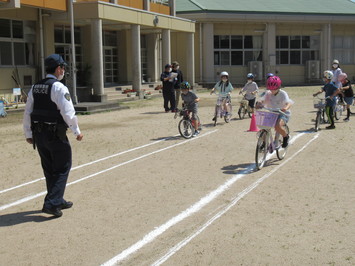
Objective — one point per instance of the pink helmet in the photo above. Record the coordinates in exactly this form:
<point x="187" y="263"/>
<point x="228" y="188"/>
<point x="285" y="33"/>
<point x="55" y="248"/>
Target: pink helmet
<point x="273" y="83"/>
<point x="342" y="77"/>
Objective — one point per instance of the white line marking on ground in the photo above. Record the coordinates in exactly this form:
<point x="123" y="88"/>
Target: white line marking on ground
<point x="234" y="201"/>
<point x="106" y="170"/>
<point x="183" y="215"/>
<point x="90" y="163"/>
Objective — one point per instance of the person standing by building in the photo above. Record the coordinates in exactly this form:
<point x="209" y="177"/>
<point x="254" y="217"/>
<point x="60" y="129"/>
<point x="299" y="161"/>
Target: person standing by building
<point x="168" y="79"/>
<point x="48" y="113"/>
<point x="178" y="81"/>
<point x="336" y="72"/>
<point x="348" y="93"/>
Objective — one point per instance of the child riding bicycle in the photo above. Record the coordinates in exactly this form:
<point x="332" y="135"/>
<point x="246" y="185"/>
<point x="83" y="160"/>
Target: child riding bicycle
<point x="276" y="98"/>
<point x="251" y="89"/>
<point x="190" y="101"/>
<point x="331" y="91"/>
<point x="223" y="88"/>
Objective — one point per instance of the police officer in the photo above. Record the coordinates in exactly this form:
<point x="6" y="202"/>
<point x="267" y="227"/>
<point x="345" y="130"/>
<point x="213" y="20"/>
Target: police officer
<point x="48" y="113"/>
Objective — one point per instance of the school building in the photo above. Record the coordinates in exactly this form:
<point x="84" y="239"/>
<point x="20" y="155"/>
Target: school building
<point x="298" y="40"/>
<point x="116" y="42"/>
<point x="128" y="42"/>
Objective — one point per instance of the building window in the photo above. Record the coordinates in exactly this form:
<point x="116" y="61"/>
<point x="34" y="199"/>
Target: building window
<point x="17" y="42"/>
<point x="296" y="50"/>
<point x="237" y="50"/>
<point x="110" y="50"/>
<point x="62" y="46"/>
<point x="344" y="49"/>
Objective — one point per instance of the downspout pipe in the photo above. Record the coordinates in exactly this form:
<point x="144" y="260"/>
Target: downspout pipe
<point x="73" y="55"/>
<point x="41" y="43"/>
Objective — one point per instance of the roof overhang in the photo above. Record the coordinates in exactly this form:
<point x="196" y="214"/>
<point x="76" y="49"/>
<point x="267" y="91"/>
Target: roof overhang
<point x="121" y="16"/>
<point x="222" y="17"/>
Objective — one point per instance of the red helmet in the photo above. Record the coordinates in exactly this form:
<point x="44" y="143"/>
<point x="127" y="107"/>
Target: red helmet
<point x="273" y="83"/>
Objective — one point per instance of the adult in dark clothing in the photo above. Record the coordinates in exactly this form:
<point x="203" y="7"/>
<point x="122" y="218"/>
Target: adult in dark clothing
<point x="178" y="81"/>
<point x="48" y="113"/>
<point x="348" y="93"/>
<point x="168" y="88"/>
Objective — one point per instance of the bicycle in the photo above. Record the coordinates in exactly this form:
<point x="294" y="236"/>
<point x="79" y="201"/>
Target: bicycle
<point x="266" y="120"/>
<point x="2" y="109"/>
<point x="220" y="111"/>
<point x="244" y="108"/>
<point x="186" y="124"/>
<point x="321" y="117"/>
<point x="338" y="109"/>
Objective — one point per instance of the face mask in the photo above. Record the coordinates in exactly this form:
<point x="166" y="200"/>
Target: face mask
<point x="60" y="77"/>
<point x="224" y="80"/>
<point x="177" y="67"/>
<point x="170" y="69"/>
<point x="335" y="65"/>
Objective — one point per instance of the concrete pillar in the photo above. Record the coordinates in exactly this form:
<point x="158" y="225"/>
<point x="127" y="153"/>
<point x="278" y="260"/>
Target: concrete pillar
<point x="270" y="49"/>
<point x="166" y="49"/>
<point x="172" y="6"/>
<point x="190" y="56"/>
<point x="326" y="48"/>
<point x="136" y="59"/>
<point x="153" y="69"/>
<point x="208" y="56"/>
<point x="97" y="73"/>
<point x="146" y="5"/>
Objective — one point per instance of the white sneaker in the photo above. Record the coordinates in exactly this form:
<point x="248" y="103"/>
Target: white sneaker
<point x="196" y="133"/>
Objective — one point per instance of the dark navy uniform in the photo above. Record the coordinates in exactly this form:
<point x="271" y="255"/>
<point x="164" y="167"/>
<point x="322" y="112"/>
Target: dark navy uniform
<point x="49" y="112"/>
<point x="168" y="90"/>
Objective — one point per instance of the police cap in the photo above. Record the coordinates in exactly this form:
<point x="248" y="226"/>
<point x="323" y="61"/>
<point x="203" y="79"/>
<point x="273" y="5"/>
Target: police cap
<point x="54" y="60"/>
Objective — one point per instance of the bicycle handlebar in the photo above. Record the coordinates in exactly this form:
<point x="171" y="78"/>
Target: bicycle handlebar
<point x="274" y="110"/>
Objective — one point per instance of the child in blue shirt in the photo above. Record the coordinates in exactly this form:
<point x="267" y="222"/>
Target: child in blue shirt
<point x="331" y="90"/>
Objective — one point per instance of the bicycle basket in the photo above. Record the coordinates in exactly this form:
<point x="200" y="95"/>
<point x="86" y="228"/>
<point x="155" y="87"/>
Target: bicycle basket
<point x="266" y="119"/>
<point x="318" y="103"/>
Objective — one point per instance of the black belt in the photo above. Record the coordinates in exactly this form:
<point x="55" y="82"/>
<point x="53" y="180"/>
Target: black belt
<point x="38" y="126"/>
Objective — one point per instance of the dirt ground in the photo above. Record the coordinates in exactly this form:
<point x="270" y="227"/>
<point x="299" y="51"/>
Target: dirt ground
<point x="155" y="198"/>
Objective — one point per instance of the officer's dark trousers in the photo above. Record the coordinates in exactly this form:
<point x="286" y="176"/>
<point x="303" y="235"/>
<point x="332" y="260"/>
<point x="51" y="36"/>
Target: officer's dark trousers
<point x="56" y="160"/>
<point x="169" y="96"/>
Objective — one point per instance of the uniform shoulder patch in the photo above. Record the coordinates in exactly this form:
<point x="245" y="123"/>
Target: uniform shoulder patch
<point x="67" y="96"/>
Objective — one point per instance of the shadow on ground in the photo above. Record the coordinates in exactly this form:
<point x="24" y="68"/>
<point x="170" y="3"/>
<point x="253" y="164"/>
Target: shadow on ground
<point x="23" y="217"/>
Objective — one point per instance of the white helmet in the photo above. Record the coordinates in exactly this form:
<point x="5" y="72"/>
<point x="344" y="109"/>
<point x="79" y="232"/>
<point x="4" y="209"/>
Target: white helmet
<point x="335" y="61"/>
<point x="224" y="73"/>
<point x="328" y="74"/>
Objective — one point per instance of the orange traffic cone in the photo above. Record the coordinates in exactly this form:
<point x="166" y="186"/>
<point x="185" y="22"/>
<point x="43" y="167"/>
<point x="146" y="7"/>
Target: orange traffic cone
<point x="253" y="127"/>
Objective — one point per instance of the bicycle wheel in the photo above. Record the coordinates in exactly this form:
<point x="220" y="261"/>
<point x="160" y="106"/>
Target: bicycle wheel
<point x="198" y="123"/>
<point x="227" y="118"/>
<point x="318" y="120"/>
<point x="241" y="112"/>
<point x="186" y="129"/>
<point x="337" y="112"/>
<point x="215" y="116"/>
<point x="281" y="152"/>
<point x="261" y="149"/>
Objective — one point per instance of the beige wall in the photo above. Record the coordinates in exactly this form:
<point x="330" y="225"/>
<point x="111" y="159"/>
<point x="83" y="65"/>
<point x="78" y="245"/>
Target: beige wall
<point x="291" y="74"/>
